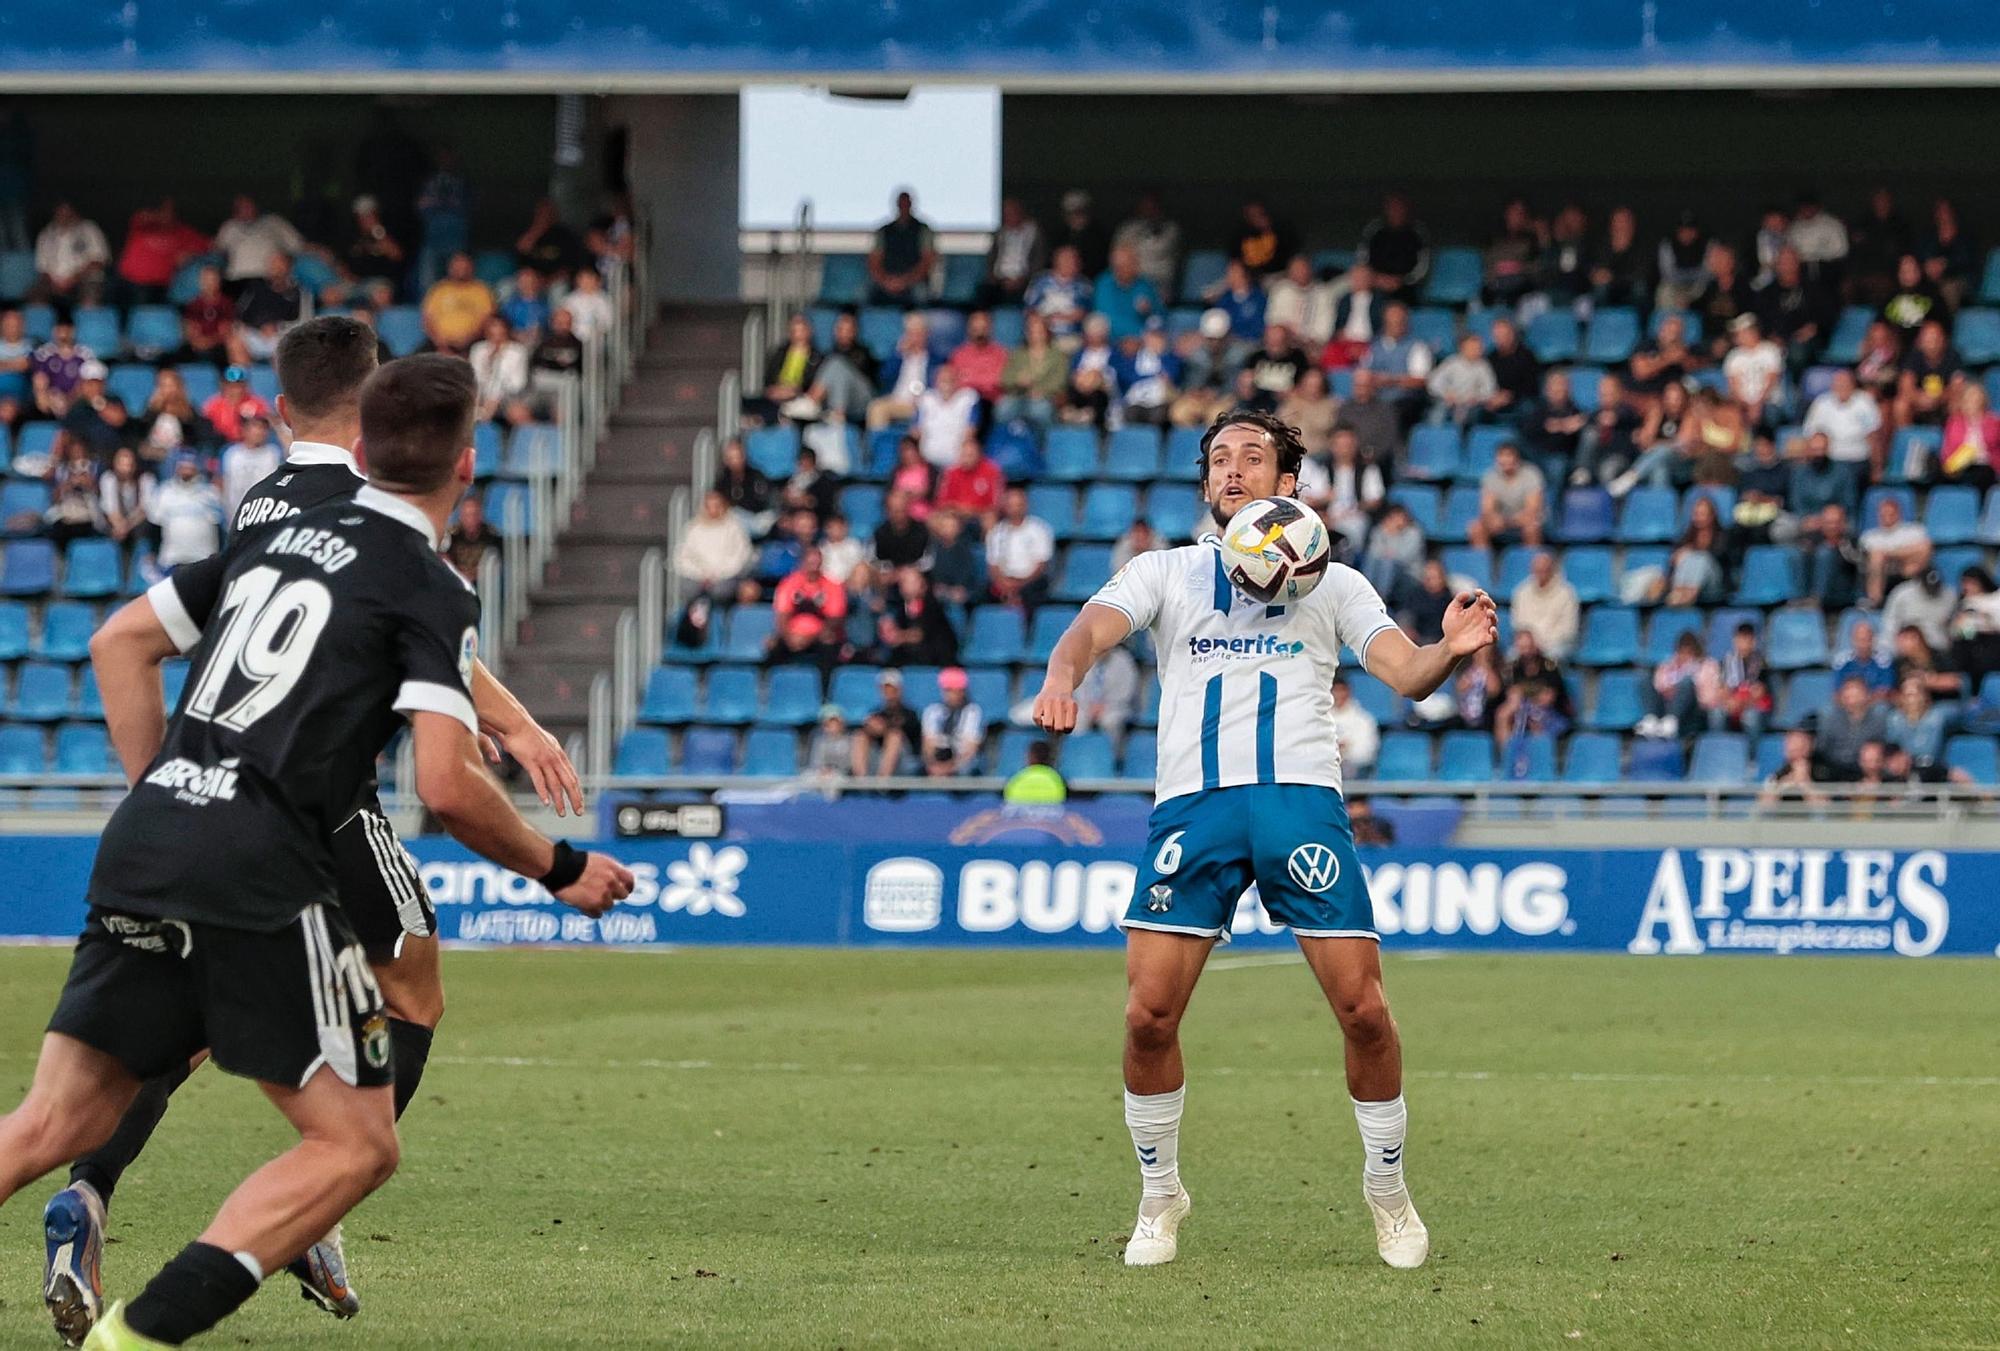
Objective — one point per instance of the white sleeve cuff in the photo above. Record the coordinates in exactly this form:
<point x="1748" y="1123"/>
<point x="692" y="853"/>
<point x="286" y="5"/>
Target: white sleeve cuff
<point x="423" y="696"/>
<point x="1131" y="620"/>
<point x="173" y="615"/>
<point x="1378" y="630"/>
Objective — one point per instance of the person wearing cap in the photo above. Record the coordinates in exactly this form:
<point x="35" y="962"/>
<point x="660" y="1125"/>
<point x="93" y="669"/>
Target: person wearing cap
<point x="188" y="511"/>
<point x="1080" y="231"/>
<point x="1062" y="296"/>
<point x="1037" y="783"/>
<point x="830" y="753"/>
<point x="233" y="402"/>
<point x="902" y="257"/>
<point x="885" y="734"/>
<point x="369" y="250"/>
<point x="954" y="728"/>
<point x="1210" y="358"/>
<point x="56" y="368"/>
<point x="1149" y="379"/>
<point x="1125" y="297"/>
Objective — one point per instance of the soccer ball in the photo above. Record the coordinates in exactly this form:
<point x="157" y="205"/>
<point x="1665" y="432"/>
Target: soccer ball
<point x="1276" y="550"/>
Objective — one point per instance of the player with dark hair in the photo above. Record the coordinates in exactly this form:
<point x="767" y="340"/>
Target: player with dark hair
<point x="1239" y="805"/>
<point x="322" y="367"/>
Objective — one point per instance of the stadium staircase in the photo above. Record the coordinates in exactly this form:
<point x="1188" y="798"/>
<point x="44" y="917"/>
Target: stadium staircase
<point x="568" y="636"/>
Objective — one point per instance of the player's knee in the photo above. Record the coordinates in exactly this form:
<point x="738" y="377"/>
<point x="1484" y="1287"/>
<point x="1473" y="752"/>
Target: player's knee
<point x="1364" y="1018"/>
<point x="1151" y="1024"/>
<point x="375" y="1155"/>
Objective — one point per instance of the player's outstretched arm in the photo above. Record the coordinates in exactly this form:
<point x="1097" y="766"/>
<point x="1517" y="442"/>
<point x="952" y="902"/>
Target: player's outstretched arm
<point x="504" y="718"/>
<point x="1094" y="632"/>
<point x="1416" y="672"/>
<point x="126" y="655"/>
<point x="469" y="801"/>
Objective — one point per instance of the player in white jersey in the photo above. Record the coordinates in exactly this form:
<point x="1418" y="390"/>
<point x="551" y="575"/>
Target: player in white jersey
<point x="1249" y="792"/>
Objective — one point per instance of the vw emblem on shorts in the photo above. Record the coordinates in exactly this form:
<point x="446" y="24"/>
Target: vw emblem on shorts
<point x="1314" y="867"/>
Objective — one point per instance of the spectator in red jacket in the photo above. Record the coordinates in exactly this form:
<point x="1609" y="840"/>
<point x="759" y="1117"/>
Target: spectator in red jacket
<point x="812" y="611"/>
<point x="979" y="360"/>
<point x="157" y="242"/>
<point x="972" y="486"/>
<point x="229" y="406"/>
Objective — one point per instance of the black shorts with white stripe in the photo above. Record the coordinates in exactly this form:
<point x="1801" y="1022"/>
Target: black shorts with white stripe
<point x="380" y="889"/>
<point x="275" y="1007"/>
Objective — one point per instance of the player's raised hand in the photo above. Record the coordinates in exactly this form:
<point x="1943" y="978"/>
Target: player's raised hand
<point x="604" y="883"/>
<point x="1471" y="623"/>
<point x="555" y="779"/>
<point x="1055" y="709"/>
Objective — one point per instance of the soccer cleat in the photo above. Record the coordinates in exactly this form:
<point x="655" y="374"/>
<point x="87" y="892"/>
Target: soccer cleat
<point x="1156" y="1241"/>
<point x="322" y="1274"/>
<point x="72" y="1284"/>
<point x="112" y="1334"/>
<point x="1400" y="1235"/>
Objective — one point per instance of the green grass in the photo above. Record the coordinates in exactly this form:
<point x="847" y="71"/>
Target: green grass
<point x="779" y="1148"/>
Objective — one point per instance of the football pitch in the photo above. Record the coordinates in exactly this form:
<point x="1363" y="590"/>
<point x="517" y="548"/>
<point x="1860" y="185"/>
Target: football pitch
<point x="813" y="1149"/>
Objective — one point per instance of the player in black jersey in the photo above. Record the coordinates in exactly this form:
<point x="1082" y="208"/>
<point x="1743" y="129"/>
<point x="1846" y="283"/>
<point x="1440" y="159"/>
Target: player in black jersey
<point x="214" y="919"/>
<point x="321" y="367"/>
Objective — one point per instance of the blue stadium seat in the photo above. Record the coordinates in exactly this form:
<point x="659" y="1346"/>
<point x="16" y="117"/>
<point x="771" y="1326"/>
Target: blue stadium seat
<point x="201" y="379"/>
<point x="883" y="445"/>
<point x="509" y="507"/>
<point x="1382" y="703"/>
<point x="963" y="272"/>
<point x="1610" y="637"/>
<point x="1656" y="760"/>
<point x="14" y="639"/>
<point x="1849" y="332"/>
<point x="708" y="750"/>
<point x="1047" y="630"/>
<point x="1203" y="269"/>
<point x="84" y="748"/>
<point x="1613" y="336"/>
<point x="1405" y="757"/>
<point x="29" y="568"/>
<point x="1514" y="565"/>
<point x="749" y="627"/>
<point x="1421" y="500"/>
<point x="996" y="637"/>
<point x="1009" y="326"/>
<point x="988" y="686"/>
<point x="861" y="504"/>
<point x="947" y="331"/>
<point x="1617" y="706"/>
<point x="772" y="752"/>
<point x="843" y="279"/>
<point x="1770" y="755"/>
<point x="1054" y="503"/>
<point x="1181" y="460"/>
<point x="1951" y="514"/>
<point x="1590" y="574"/>
<point x="97" y="328"/>
<point x="1530" y="759"/>
<point x="1174" y="510"/>
<point x="1085" y="568"/>
<point x="1140" y="756"/>
<point x="1069" y="455"/>
<point x="66" y="630"/>
<point x="881" y="329"/>
<point x="1770" y="576"/>
<point x="402" y="328"/>
<point x="1795" y="640"/>
<point x="1461" y="508"/>
<point x="1435" y="328"/>
<point x="1434" y="452"/>
<point x="791" y="697"/>
<point x="22" y="502"/>
<point x="1455" y="276"/>
<point x="731" y="697"/>
<point x="1553" y="337"/>
<point x="40" y="320"/>
<point x="89" y="701"/>
<point x="1016" y="449"/>
<point x="1978" y="756"/>
<point x="670" y="696"/>
<point x="1592" y="757"/>
<point x="643" y="750"/>
<point x="822" y="319"/>
<point x="1481" y="444"/>
<point x="1720" y="758"/>
<point x="1467" y="757"/>
<point x="1665" y="628"/>
<point x="23" y="750"/>
<point x="1721" y="626"/>
<point x="535" y="451"/>
<point x="41" y="693"/>
<point x="1108" y="511"/>
<point x="773" y="451"/>
<point x="1133" y="454"/>
<point x="1723" y="497"/>
<point x="131" y="386"/>
<point x="1874" y="497"/>
<point x="1476" y="565"/>
<point x="1586" y="516"/>
<point x="153" y="331"/>
<point x="487" y="450"/>
<point x="17" y="273"/>
<point x="853" y="691"/>
<point x="1807" y="694"/>
<point x="1087" y="755"/>
<point x="1951" y="563"/>
<point x="1976" y="335"/>
<point x="1012" y="755"/>
<point x="1651" y="516"/>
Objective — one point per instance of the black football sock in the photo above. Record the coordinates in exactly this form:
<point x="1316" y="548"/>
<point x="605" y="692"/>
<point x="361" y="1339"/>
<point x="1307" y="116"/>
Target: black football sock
<point x="192" y="1293"/>
<point x="103" y="1166"/>
<point x="411" y="1045"/>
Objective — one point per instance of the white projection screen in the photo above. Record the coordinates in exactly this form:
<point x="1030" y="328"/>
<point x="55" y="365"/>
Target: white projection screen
<point x="848" y="156"/>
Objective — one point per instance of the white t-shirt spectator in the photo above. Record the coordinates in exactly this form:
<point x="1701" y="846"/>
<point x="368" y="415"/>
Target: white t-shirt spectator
<point x="964" y="728"/>
<point x="1305" y="310"/>
<point x="1847" y="425"/>
<point x="1894" y="539"/>
<point x="590" y="314"/>
<point x="500" y="368"/>
<point x="1552" y="613"/>
<point x="714" y="551"/>
<point x="1818" y="239"/>
<point x="190" y="519"/>
<point x="1358" y="734"/>
<point x="1017" y="550"/>
<point x="249" y="245"/>
<point x="942" y="424"/>
<point x="243" y="468"/>
<point x="63" y="251"/>
<point x="839" y="557"/>
<point x="1753" y="372"/>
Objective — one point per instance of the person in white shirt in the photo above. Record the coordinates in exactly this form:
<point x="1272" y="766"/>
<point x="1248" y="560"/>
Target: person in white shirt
<point x="1018" y="550"/>
<point x="1462" y="383"/>
<point x="1355" y="729"/>
<point x="715" y="550"/>
<point x="1894" y="547"/>
<point x="590" y="311"/>
<point x="944" y="415"/>
<point x="254" y="458"/>
<point x="908" y="374"/>
<point x="250" y="239"/>
<point x="499" y="364"/>
<point x="840" y="553"/>
<point x="1016" y="255"/>
<point x="1302" y="303"/>
<point x="1818" y="236"/>
<point x="188" y="511"/>
<point x="71" y="254"/>
<point x="1249" y="792"/>
<point x="1546" y="605"/>
<point x="1753" y="367"/>
<point x="1849" y="416"/>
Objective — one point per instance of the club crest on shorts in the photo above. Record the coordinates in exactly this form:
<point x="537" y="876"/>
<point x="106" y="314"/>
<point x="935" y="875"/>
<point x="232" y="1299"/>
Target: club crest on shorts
<point x="375" y="1042"/>
<point x="1159" y="898"/>
<point x="1314" y="867"/>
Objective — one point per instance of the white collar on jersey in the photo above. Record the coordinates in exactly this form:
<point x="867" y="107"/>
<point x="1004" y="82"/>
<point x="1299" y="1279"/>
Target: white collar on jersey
<point x="320" y="452"/>
<point x="396" y="509"/>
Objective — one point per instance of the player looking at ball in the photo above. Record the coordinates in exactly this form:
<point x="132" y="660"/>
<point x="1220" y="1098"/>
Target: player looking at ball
<point x="1238" y="802"/>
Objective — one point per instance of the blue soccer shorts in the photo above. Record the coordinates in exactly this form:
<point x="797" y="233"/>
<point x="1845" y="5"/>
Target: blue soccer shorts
<point x="1204" y="849"/>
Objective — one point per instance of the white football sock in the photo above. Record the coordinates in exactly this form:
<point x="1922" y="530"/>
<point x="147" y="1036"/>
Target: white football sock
<point x="1155" y="1123"/>
<point x="1383" y="1126"/>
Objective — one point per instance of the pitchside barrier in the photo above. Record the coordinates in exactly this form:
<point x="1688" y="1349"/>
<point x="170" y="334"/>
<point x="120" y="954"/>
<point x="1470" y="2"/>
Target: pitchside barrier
<point x="1063" y="881"/>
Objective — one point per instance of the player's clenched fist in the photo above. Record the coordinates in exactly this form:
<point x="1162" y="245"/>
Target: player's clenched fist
<point x="1471" y="623"/>
<point x="604" y="883"/>
<point x="1055" y="710"/>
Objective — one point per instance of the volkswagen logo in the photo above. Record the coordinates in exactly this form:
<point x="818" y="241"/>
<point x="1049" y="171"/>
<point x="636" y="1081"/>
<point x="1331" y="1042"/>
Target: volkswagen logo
<point x="1314" y="867"/>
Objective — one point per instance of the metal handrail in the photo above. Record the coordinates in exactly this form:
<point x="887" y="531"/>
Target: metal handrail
<point x="707" y="455"/>
<point x="729" y="405"/>
<point x="750" y="359"/>
<point x="492" y="611"/>
<point x="653" y="599"/>
<point x="597" y="748"/>
<point x="624" y="671"/>
<point x="680" y="510"/>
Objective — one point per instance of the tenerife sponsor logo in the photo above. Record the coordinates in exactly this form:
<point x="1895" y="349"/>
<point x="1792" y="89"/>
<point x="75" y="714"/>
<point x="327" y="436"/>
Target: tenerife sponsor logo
<point x="1247" y="647"/>
<point x="1794" y="900"/>
<point x="197" y="785"/>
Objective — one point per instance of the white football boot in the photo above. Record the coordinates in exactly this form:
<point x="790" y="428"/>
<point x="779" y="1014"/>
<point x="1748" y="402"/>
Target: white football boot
<point x="1400" y="1235"/>
<point x="1156" y="1240"/>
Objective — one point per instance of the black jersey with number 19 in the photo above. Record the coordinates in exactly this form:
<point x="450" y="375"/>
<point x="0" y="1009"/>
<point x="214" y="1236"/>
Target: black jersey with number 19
<point x="307" y="641"/>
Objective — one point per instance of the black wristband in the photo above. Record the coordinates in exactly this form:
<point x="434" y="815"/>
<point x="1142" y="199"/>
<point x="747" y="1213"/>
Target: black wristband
<point x="566" y="869"/>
